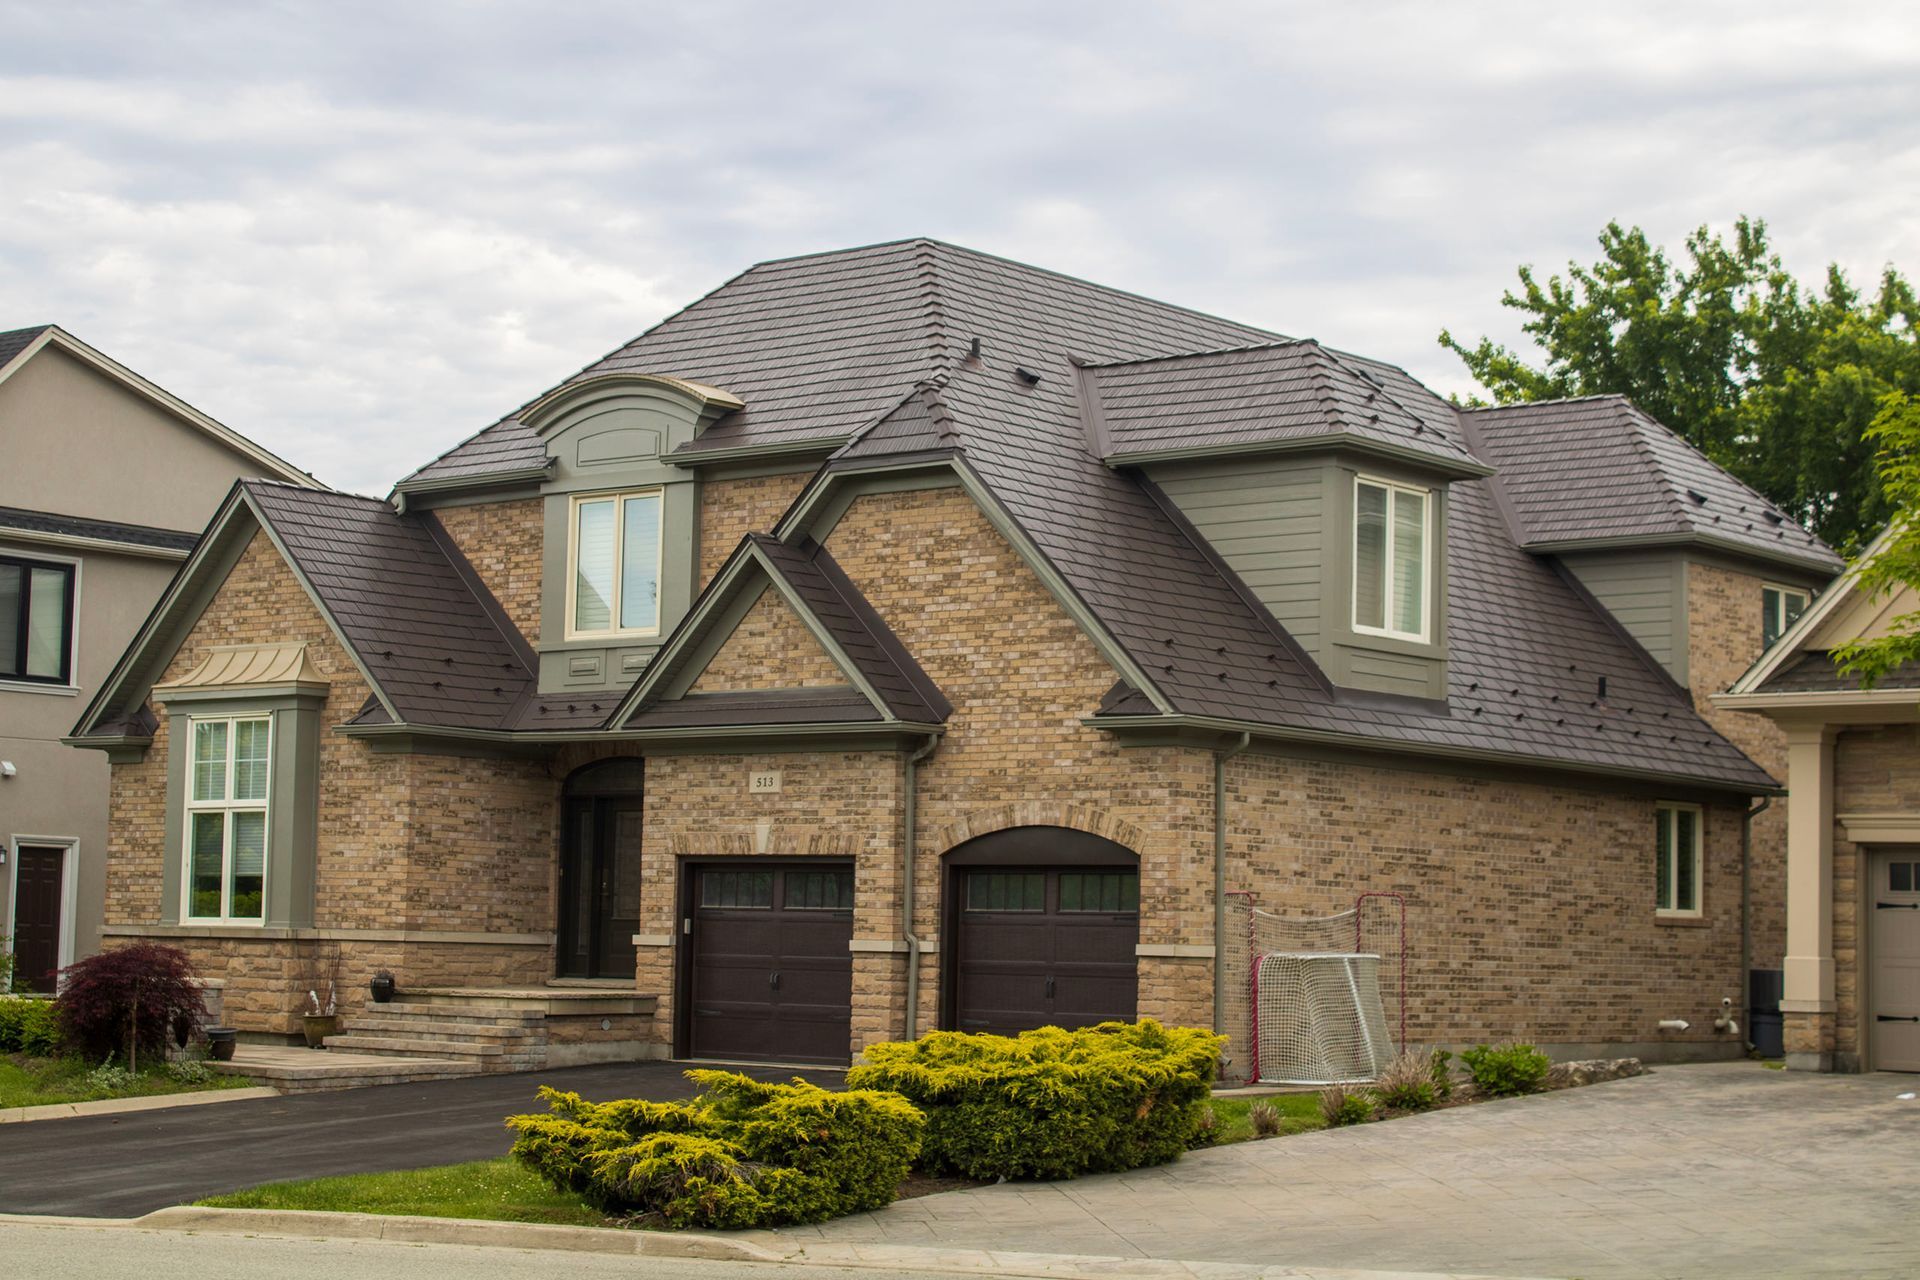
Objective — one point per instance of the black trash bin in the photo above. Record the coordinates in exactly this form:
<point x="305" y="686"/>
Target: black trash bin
<point x="1764" y="987"/>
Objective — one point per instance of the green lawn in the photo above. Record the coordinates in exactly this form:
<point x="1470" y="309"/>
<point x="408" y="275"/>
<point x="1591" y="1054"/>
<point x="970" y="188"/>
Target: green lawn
<point x="33" y="1082"/>
<point x="1299" y="1112"/>
<point x="497" y="1189"/>
<point x="503" y="1191"/>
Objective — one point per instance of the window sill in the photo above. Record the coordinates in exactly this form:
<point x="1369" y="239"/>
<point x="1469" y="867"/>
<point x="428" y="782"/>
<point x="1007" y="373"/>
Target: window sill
<point x="1681" y="921"/>
<point x="34" y="686"/>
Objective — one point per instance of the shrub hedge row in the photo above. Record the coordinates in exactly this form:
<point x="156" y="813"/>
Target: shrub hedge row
<point x="741" y="1154"/>
<point x="1051" y="1103"/>
<point x="28" y="1026"/>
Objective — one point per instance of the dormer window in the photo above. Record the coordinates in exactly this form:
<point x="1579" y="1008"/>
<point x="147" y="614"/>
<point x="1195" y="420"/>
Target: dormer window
<point x="1392" y="559"/>
<point x="613" y="565"/>
<point x="1780" y="608"/>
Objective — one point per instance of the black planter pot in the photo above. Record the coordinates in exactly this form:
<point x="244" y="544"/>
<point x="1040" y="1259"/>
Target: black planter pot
<point x="220" y="1043"/>
<point x="381" y="987"/>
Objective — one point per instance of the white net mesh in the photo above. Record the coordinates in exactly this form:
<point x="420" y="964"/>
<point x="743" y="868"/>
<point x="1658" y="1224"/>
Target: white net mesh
<point x="1374" y="926"/>
<point x="1320" y="1018"/>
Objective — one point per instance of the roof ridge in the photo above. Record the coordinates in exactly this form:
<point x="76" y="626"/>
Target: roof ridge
<point x="935" y="307"/>
<point x="1536" y="404"/>
<point x="1204" y="351"/>
<point x="1376" y="388"/>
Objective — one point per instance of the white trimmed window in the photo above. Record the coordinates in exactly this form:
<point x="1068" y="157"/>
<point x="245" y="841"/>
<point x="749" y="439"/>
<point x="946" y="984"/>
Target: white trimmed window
<point x="226" y="836"/>
<point x="1676" y="859"/>
<point x="613" y="565"/>
<point x="1780" y="607"/>
<point x="1392" y="559"/>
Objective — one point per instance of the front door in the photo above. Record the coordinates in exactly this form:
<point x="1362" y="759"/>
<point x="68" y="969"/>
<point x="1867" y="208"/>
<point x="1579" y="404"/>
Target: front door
<point x="600" y="886"/>
<point x="38" y="889"/>
<point x="1894" y="984"/>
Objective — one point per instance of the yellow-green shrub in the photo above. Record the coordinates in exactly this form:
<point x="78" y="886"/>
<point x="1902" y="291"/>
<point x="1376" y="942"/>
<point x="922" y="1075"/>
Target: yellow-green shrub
<point x="28" y="1026"/>
<point x="741" y="1154"/>
<point x="1051" y="1103"/>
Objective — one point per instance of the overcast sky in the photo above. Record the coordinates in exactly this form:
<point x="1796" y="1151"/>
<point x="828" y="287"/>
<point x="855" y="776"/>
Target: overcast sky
<point x="360" y="232"/>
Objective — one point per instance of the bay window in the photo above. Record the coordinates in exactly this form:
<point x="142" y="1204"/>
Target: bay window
<point x="226" y="813"/>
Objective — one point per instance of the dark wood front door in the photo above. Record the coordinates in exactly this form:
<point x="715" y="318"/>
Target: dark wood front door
<point x="38" y="889"/>
<point x="1045" y="947"/>
<point x="599" y="886"/>
<point x="769" y="971"/>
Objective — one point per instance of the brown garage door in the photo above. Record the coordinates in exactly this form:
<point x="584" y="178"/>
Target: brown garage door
<point x="770" y="971"/>
<point x="1045" y="947"/>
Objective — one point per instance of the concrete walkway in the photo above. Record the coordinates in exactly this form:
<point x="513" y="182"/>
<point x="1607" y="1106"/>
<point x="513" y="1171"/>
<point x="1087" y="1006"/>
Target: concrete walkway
<point x="1722" y="1170"/>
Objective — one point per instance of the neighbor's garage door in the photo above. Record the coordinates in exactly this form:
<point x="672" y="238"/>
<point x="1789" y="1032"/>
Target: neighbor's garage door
<point x="771" y="971"/>
<point x="1895" y="979"/>
<point x="1046" y="947"/>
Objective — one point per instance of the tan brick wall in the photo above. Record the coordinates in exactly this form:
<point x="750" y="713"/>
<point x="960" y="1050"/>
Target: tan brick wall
<point x="1530" y="906"/>
<point x="503" y="542"/>
<point x="1876" y="769"/>
<point x="731" y="509"/>
<point x="1723" y="640"/>
<point x="403" y="842"/>
<point x="770" y="649"/>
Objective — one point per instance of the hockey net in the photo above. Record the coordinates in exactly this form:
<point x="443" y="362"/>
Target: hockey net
<point x="1316" y="1000"/>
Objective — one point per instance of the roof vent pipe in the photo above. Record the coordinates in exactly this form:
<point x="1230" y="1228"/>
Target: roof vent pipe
<point x="1027" y="376"/>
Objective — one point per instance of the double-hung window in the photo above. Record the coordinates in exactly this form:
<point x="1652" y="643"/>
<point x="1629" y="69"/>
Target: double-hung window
<point x="1392" y="559"/>
<point x="613" y="565"/>
<point x="226" y="836"/>
<point x="36" y="621"/>
<point x="1780" y="607"/>
<point x="1676" y="860"/>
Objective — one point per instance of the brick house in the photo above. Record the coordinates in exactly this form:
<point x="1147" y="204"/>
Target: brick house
<point x="904" y="637"/>
<point x="1851" y="998"/>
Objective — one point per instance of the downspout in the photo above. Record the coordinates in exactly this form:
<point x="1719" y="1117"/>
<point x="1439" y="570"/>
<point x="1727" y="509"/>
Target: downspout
<point x="1746" y="914"/>
<point x="906" y="886"/>
<point x="1220" y="759"/>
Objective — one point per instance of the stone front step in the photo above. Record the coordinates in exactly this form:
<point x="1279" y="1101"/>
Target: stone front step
<point x="297" y="1070"/>
<point x="416" y="1046"/>
<point x="440" y="1028"/>
<point x="509" y="1028"/>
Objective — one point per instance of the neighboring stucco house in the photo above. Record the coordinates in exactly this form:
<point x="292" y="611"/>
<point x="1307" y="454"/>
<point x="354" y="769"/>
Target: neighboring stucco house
<point x="904" y="637"/>
<point x="105" y="481"/>
<point x="1852" y="982"/>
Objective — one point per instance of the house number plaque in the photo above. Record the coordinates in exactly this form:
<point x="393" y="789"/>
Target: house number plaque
<point x="763" y="782"/>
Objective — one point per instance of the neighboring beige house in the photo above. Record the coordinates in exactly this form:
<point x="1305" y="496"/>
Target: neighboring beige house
<point x="105" y="481"/>
<point x="1852" y="982"/>
<point x="905" y="637"/>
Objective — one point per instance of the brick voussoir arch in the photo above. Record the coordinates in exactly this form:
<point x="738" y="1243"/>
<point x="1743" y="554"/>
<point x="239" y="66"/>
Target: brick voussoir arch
<point x="1036" y="813"/>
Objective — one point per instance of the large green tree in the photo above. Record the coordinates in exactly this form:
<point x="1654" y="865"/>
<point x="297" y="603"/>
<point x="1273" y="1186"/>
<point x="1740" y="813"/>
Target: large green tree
<point x="1775" y="380"/>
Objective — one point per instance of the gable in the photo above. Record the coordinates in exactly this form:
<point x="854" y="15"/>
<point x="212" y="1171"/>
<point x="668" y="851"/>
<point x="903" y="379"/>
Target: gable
<point x="769" y="648"/>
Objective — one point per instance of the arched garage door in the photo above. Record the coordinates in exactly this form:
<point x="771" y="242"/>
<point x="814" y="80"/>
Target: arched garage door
<point x="1044" y="922"/>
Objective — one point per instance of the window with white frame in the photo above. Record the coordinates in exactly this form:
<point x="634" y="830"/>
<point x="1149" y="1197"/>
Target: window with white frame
<point x="36" y="620"/>
<point x="226" y="836"/>
<point x="1780" y="607"/>
<point x="613" y="565"/>
<point x="1392" y="559"/>
<point x="1676" y="859"/>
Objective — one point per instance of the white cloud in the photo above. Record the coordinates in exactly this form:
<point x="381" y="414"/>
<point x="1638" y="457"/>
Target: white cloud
<point x="358" y="232"/>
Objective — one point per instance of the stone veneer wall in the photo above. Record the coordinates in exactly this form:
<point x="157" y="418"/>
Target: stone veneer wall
<point x="407" y="845"/>
<point x="1723" y="640"/>
<point x="502" y="540"/>
<point x="770" y="649"/>
<point x="731" y="509"/>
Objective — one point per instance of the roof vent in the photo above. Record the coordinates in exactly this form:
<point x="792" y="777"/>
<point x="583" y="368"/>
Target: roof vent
<point x="1699" y="498"/>
<point x="1027" y="376"/>
<point x="1774" y="517"/>
<point x="973" y="350"/>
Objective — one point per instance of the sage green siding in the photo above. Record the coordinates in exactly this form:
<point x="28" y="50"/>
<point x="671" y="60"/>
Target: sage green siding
<point x="1285" y="526"/>
<point x="1646" y="592"/>
<point x="1265" y="519"/>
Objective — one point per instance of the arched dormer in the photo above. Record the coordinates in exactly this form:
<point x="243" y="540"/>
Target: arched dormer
<point x="622" y="538"/>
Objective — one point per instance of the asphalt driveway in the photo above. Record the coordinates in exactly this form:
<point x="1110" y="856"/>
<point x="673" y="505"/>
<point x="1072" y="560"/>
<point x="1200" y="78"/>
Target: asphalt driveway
<point x="120" y="1166"/>
<point x="1723" y="1170"/>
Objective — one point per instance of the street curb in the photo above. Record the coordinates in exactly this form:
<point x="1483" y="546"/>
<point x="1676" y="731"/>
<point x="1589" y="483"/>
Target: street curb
<point x="664" y="1244"/>
<point x="122" y="1106"/>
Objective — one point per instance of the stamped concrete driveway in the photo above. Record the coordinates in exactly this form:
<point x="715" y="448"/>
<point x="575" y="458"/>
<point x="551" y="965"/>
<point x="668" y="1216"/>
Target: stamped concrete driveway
<point x="1700" y="1171"/>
